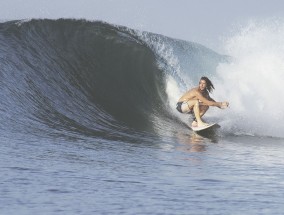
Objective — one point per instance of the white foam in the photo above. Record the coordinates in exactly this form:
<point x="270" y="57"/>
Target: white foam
<point x="173" y="91"/>
<point x="253" y="81"/>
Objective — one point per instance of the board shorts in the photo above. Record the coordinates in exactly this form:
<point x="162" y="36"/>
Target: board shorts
<point x="181" y="104"/>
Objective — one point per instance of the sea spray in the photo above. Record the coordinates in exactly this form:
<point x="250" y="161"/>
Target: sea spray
<point x="253" y="81"/>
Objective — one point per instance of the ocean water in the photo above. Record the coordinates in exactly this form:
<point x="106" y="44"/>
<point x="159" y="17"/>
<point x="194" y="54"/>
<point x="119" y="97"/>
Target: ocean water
<point x="89" y="126"/>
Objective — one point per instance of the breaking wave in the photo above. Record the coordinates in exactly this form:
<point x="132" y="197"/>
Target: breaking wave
<point x="79" y="78"/>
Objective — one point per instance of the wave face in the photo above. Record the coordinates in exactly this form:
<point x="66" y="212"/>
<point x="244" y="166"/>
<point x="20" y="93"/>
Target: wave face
<point x="78" y="78"/>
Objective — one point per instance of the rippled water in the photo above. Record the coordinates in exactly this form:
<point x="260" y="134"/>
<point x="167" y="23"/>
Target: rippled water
<point x="189" y="175"/>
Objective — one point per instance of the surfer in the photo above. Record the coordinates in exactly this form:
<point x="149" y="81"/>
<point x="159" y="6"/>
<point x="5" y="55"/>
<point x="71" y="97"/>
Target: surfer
<point x="197" y="101"/>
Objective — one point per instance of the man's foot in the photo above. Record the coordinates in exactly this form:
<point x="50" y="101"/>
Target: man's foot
<point x="202" y="124"/>
<point x="194" y="124"/>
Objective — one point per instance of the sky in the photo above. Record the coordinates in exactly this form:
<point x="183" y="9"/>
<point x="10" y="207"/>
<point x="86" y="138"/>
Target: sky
<point x="203" y="21"/>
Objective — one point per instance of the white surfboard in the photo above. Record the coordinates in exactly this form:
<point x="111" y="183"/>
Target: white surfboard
<point x="203" y="128"/>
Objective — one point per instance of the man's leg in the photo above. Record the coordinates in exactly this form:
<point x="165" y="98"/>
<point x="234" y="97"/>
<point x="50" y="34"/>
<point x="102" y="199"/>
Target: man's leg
<point x="198" y="115"/>
<point x="195" y="105"/>
<point x="203" y="109"/>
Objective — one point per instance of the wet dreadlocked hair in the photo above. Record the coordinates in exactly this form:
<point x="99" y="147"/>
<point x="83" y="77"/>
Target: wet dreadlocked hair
<point x="209" y="85"/>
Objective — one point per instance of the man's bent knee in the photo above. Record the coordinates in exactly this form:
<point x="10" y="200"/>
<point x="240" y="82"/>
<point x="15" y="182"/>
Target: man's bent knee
<point x="196" y="102"/>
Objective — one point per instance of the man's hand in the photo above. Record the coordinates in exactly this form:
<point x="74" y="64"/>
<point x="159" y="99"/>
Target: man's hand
<point x="224" y="105"/>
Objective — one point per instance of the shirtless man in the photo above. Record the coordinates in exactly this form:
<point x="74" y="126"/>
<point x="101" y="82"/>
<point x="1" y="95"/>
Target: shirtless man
<point x="197" y="101"/>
